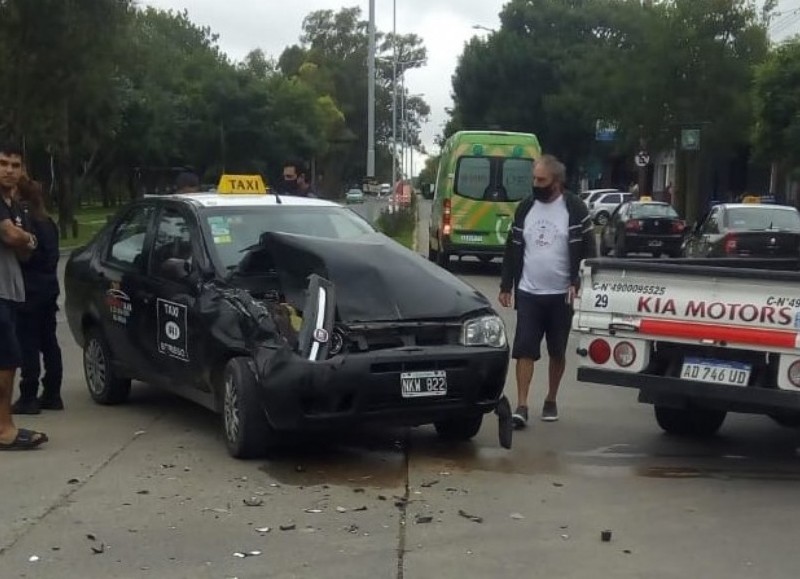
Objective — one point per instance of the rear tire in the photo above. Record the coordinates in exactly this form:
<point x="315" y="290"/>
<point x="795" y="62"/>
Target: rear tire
<point x="105" y="387"/>
<point x="443" y="259"/>
<point x="620" y="250"/>
<point x="485" y="259"/>
<point x="248" y="433"/>
<point x="690" y="422"/>
<point x="459" y="429"/>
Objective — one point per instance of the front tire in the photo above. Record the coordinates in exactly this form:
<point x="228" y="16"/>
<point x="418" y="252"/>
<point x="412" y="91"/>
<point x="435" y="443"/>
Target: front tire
<point x="248" y="433"/>
<point x="459" y="429"/>
<point x="690" y="422"/>
<point x="105" y="387"/>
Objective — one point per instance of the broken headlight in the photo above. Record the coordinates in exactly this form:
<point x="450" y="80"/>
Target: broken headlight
<point x="484" y="331"/>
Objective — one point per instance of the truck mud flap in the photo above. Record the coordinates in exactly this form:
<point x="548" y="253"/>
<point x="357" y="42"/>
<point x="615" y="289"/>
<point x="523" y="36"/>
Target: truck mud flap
<point x="318" y="317"/>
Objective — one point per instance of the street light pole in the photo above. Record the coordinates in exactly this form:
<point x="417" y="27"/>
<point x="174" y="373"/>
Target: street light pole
<point x="371" y="95"/>
<point x="394" y="93"/>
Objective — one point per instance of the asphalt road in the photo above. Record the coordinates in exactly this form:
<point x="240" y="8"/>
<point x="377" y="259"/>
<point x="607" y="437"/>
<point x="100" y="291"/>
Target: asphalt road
<point x="147" y="490"/>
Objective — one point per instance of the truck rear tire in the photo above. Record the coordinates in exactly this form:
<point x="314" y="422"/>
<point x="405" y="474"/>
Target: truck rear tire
<point x="691" y="422"/>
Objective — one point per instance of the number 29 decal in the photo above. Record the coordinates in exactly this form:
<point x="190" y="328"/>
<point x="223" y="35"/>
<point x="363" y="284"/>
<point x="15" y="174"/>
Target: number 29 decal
<point x="601" y="301"/>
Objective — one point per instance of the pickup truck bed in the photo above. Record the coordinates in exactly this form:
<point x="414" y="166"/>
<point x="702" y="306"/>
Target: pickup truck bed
<point x="697" y="337"/>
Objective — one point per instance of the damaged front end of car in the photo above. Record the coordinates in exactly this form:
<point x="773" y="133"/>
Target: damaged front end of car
<point x="340" y="333"/>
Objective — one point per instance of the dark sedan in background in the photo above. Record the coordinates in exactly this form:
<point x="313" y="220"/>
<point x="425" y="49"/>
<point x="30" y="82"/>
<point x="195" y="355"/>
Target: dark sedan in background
<point x="643" y="227"/>
<point x="745" y="230"/>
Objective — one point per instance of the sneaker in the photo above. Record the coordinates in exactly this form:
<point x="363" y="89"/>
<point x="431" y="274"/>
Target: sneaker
<point x="520" y="417"/>
<point x="26" y="407"/>
<point x="550" y="411"/>
<point x="51" y="403"/>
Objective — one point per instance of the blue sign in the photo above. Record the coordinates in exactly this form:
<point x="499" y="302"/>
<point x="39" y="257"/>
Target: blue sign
<point x="605" y="131"/>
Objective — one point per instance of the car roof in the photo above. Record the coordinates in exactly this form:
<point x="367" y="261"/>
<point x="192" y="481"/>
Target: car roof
<point x="756" y="206"/>
<point x="217" y="200"/>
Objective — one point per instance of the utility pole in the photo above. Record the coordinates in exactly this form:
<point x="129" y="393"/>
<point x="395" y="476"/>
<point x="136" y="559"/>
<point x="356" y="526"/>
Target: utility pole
<point x="371" y="95"/>
<point x="394" y="93"/>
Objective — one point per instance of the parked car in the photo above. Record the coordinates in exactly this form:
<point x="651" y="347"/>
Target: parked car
<point x="643" y="227"/>
<point x="354" y="196"/>
<point x="593" y="194"/>
<point x="604" y="205"/>
<point x="745" y="230"/>
<point x="284" y="315"/>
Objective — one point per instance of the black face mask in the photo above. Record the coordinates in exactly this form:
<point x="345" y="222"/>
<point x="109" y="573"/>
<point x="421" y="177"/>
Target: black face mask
<point x="542" y="193"/>
<point x="290" y="185"/>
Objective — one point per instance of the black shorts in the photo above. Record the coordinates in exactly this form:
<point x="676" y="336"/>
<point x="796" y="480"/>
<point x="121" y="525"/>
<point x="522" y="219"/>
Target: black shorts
<point x="10" y="351"/>
<point x="541" y="316"/>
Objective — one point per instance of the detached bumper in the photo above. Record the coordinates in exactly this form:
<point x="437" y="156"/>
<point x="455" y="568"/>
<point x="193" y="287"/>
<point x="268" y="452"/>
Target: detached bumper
<point x="358" y="388"/>
<point x="675" y="392"/>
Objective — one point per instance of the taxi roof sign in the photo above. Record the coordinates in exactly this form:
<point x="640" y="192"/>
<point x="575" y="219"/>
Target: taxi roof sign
<point x="241" y="185"/>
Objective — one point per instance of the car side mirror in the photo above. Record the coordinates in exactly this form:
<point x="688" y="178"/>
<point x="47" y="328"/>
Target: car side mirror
<point x="176" y="269"/>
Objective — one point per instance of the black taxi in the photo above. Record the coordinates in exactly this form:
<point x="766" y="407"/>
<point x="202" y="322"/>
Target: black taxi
<point x="282" y="314"/>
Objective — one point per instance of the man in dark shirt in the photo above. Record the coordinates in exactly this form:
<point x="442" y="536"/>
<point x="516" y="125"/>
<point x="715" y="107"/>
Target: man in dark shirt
<point x="15" y="242"/>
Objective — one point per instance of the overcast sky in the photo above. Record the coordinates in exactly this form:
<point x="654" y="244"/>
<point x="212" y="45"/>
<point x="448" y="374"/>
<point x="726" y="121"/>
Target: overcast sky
<point x="444" y="26"/>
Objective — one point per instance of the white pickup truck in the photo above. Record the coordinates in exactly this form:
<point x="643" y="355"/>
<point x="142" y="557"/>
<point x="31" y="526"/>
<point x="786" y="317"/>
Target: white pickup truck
<point x="697" y="337"/>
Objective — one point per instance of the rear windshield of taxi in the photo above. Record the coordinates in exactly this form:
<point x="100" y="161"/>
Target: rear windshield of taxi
<point x="493" y="178"/>
<point x="654" y="210"/>
<point x="761" y="218"/>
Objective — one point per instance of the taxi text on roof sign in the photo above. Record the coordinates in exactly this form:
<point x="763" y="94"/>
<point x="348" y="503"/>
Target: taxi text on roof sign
<point x="241" y="185"/>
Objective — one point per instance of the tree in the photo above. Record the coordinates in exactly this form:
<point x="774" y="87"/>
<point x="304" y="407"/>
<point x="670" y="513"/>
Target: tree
<point x="776" y="134"/>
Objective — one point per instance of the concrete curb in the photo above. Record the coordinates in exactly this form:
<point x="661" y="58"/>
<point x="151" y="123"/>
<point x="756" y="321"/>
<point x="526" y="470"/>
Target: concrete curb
<point x="415" y="239"/>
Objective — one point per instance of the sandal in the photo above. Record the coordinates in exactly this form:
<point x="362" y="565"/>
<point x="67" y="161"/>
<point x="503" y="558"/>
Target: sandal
<point x="25" y="440"/>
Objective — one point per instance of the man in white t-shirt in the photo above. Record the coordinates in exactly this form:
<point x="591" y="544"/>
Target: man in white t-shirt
<point x="552" y="232"/>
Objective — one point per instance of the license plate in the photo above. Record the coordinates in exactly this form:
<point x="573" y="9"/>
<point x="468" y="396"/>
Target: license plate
<point x="654" y="243"/>
<point x="716" y="371"/>
<point x="422" y="384"/>
<point x="472" y="238"/>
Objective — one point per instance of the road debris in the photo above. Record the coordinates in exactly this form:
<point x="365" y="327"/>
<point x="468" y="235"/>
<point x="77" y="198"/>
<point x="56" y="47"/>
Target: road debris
<point x="242" y="555"/>
<point x="429" y="484"/>
<point x="253" y="502"/>
<point x="565" y="537"/>
<point x="423" y="519"/>
<point x="91" y="536"/>
<point x="143" y="492"/>
<point x="352" y="529"/>
<point x="288" y="527"/>
<point x="473" y="518"/>
<point x="313" y="511"/>
<point x="358" y="490"/>
<point x="360" y="509"/>
<point x="517" y="516"/>
<point x="263" y="530"/>
<point x="605" y="536"/>
<point x="33" y="558"/>
<point x="73" y="481"/>
<point x="341" y="510"/>
<point x="99" y="550"/>
<point x="139" y="433"/>
<point x="558" y="484"/>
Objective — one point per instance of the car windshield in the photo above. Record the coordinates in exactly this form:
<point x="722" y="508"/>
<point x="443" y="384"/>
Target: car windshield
<point x="761" y="218"/>
<point x="653" y="210"/>
<point x="234" y="230"/>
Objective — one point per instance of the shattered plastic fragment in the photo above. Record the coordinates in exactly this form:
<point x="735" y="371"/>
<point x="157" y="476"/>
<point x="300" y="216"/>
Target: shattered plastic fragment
<point x="421" y="520"/>
<point x="139" y="433"/>
<point x="289" y="527"/>
<point x="100" y="549"/>
<point x="73" y="481"/>
<point x="91" y="536"/>
<point x="429" y="484"/>
<point x="253" y="502"/>
<point x="263" y="530"/>
<point x="341" y="510"/>
<point x="314" y="511"/>
<point x="517" y="516"/>
<point x="364" y="508"/>
<point x="473" y="518"/>
<point x="605" y="536"/>
<point x="565" y="537"/>
<point x="558" y="484"/>
<point x="33" y="558"/>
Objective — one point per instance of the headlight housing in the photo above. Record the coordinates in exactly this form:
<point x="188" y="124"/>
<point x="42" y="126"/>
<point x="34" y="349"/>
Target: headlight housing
<point x="484" y="331"/>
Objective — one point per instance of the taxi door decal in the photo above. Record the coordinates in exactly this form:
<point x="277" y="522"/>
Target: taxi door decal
<point x="173" y="340"/>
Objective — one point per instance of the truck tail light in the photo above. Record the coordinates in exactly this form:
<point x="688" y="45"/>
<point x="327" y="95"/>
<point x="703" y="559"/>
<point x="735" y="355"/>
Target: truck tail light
<point x="730" y="243"/>
<point x="599" y="351"/>
<point x="624" y="354"/>
<point x="794" y="374"/>
<point x="447" y="226"/>
<point x="633" y="225"/>
<point x="678" y="226"/>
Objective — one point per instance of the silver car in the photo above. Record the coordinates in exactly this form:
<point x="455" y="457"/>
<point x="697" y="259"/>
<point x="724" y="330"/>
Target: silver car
<point x="603" y="206"/>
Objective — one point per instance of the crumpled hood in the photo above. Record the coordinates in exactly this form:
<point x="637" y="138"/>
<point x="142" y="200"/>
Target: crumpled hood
<point x="375" y="278"/>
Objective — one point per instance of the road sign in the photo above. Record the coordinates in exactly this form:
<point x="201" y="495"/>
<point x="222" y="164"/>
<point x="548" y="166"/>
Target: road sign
<point x="642" y="159"/>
